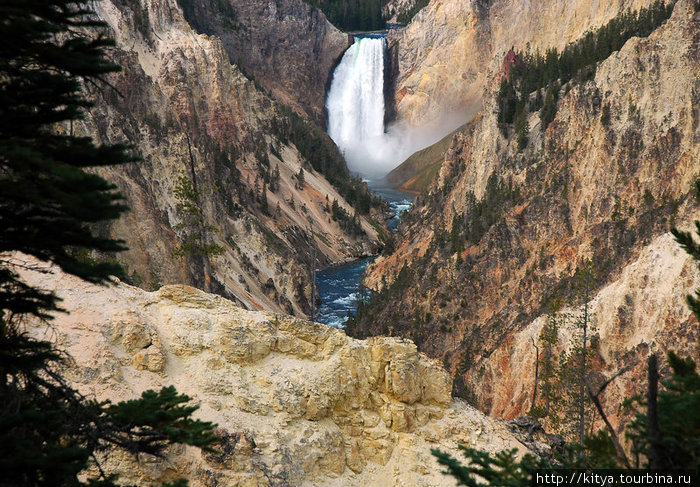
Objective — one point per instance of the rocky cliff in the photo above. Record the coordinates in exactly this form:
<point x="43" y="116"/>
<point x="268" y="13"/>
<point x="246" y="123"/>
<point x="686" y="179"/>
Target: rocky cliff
<point x="400" y="10"/>
<point x="287" y="46"/>
<point x="442" y="57"/>
<point x="503" y="231"/>
<point x="297" y="403"/>
<point x="216" y="201"/>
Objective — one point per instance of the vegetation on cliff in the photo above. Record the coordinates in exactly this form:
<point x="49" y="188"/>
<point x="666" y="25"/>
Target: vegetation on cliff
<point x="205" y="106"/>
<point x="50" y="204"/>
<point x="692" y="247"/>
<point x="665" y="433"/>
<point x="543" y="74"/>
<point x="352" y="15"/>
<point x="405" y="16"/>
<point x="323" y="155"/>
<point x="366" y="15"/>
<point x="502" y="232"/>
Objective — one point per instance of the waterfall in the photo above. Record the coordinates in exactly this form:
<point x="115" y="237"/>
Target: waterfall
<point x="355" y="104"/>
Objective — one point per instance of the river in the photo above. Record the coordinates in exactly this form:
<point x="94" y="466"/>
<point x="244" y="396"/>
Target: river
<point x="339" y="287"/>
<point x="355" y="105"/>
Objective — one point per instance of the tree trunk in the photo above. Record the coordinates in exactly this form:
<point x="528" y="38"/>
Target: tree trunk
<point x="582" y="398"/>
<point x="613" y="435"/>
<point x="537" y="372"/>
<point x="654" y="455"/>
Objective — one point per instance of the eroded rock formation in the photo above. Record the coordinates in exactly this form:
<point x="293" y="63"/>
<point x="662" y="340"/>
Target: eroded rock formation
<point x="604" y="188"/>
<point x="297" y="403"/>
<point x="189" y="113"/>
<point x="443" y="56"/>
<point x="287" y="46"/>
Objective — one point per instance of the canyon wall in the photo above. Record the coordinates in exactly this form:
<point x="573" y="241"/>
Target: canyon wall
<point x="287" y="46"/>
<point x="393" y="9"/>
<point x="604" y="182"/>
<point x="444" y="54"/>
<point x="209" y="138"/>
<point x="296" y="403"/>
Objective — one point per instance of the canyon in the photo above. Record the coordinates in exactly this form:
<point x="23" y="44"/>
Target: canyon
<point x="441" y="60"/>
<point x="586" y="188"/>
<point x="199" y="123"/>
<point x="239" y="195"/>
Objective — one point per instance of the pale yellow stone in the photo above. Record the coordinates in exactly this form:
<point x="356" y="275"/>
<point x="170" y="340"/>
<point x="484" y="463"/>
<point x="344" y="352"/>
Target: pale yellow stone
<point x="299" y="412"/>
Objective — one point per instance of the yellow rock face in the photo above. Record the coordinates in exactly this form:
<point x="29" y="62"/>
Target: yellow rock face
<point x="445" y="53"/>
<point x="293" y="400"/>
<point x="590" y="190"/>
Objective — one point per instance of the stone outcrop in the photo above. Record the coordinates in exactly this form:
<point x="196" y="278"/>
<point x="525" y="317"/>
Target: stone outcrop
<point x="296" y="403"/>
<point x="589" y="187"/>
<point x="443" y="56"/>
<point x="189" y="112"/>
<point x="287" y="46"/>
<point x="393" y="8"/>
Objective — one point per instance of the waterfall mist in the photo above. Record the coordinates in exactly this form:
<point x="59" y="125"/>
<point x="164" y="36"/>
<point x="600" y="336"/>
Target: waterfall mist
<point x="355" y="105"/>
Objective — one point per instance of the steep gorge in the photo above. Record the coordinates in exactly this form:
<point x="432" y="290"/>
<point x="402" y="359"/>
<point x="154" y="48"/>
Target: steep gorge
<point x="206" y="132"/>
<point x="589" y="187"/>
<point x="231" y="196"/>
<point x="441" y="59"/>
<point x="287" y="46"/>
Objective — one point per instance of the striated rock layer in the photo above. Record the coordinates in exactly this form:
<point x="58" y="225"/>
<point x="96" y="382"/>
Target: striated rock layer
<point x="190" y="113"/>
<point x="604" y="188"/>
<point x="444" y="54"/>
<point x="297" y="403"/>
<point x="287" y="46"/>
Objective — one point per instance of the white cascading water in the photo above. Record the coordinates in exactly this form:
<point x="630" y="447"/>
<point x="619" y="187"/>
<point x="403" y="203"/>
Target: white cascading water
<point x="355" y="104"/>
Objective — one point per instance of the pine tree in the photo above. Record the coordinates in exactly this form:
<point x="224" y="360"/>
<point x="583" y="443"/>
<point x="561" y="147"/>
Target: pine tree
<point x="300" y="179"/>
<point x="275" y="179"/>
<point x="194" y="231"/>
<point x="522" y="129"/>
<point x="48" y="202"/>
<point x="264" y="205"/>
<point x="549" y="405"/>
<point x="692" y="247"/>
<point x="666" y="436"/>
<point x="49" y="205"/>
<point x="549" y="109"/>
<point x="585" y="288"/>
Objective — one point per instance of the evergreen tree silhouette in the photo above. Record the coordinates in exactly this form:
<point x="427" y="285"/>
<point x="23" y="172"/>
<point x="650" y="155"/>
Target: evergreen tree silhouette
<point x="50" y="50"/>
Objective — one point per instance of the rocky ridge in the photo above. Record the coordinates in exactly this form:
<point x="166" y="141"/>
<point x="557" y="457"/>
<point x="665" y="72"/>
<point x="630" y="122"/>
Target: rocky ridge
<point x="297" y="403"/>
<point x="445" y="53"/>
<point x="190" y="113"/>
<point x="287" y="46"/>
<point x="392" y="9"/>
<point x="586" y="188"/>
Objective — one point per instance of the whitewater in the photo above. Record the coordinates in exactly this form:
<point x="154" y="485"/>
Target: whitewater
<point x="355" y="107"/>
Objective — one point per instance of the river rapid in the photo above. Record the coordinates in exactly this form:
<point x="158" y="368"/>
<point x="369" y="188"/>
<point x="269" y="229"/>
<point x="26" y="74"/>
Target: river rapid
<point x="339" y="287"/>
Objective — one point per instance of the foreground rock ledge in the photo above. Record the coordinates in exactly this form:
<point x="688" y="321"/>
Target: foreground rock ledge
<point x="297" y="403"/>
